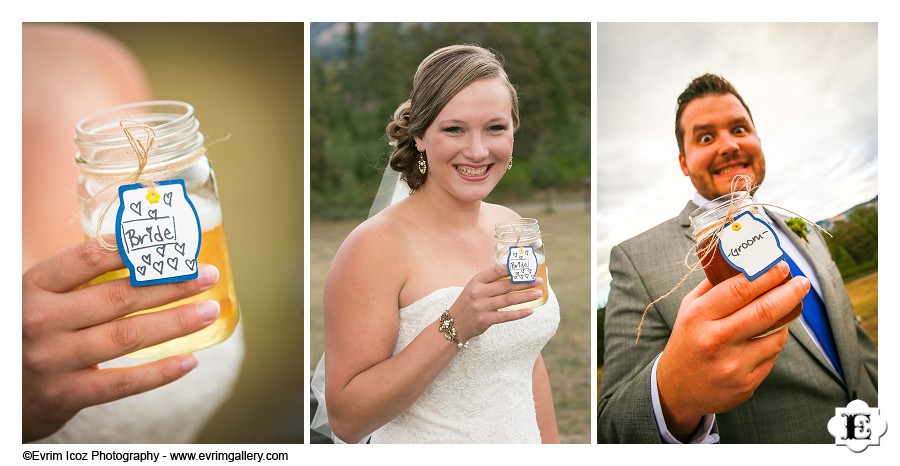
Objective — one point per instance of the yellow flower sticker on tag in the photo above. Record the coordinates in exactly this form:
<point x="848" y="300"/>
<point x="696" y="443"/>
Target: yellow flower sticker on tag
<point x="736" y="226"/>
<point x="152" y="195"/>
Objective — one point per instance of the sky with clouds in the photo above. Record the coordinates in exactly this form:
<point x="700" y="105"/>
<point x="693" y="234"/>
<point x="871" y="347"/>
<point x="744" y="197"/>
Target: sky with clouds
<point x="812" y="89"/>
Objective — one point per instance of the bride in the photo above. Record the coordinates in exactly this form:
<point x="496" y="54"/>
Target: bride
<point x="416" y="349"/>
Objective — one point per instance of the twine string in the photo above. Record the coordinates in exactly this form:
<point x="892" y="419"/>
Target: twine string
<point x="143" y="149"/>
<point x="705" y="254"/>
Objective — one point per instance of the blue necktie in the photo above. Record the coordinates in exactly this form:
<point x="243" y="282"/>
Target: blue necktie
<point x="814" y="314"/>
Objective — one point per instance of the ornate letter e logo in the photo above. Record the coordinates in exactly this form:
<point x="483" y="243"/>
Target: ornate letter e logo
<point x="857" y="426"/>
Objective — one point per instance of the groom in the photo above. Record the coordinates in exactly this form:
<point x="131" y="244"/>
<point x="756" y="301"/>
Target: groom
<point x="696" y="379"/>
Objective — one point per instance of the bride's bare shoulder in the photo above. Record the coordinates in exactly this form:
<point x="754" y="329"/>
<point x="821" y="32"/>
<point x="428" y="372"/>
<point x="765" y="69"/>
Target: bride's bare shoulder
<point x="376" y="241"/>
<point x="499" y="213"/>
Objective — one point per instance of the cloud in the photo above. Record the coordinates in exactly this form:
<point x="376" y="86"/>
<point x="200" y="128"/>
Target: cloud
<point x="812" y="88"/>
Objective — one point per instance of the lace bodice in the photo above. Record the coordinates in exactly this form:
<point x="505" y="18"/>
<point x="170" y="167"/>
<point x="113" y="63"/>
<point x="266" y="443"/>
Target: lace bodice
<point x="485" y="394"/>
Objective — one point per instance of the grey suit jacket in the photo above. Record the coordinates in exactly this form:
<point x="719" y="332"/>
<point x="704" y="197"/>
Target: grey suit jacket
<point x="792" y="405"/>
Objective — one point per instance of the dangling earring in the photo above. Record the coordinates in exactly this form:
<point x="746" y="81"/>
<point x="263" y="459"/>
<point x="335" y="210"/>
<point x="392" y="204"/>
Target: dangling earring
<point x="509" y="167"/>
<point x="423" y="166"/>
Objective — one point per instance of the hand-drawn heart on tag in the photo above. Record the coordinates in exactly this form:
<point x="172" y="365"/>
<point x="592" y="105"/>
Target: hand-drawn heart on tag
<point x="142" y="269"/>
<point x="136" y="208"/>
<point x="146" y="258"/>
<point x="190" y="263"/>
<point x="158" y="266"/>
<point x="180" y="248"/>
<point x="161" y="251"/>
<point x="152" y="213"/>
<point x="167" y="198"/>
<point x="173" y="262"/>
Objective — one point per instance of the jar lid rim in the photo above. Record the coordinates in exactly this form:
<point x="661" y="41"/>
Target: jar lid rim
<point x="186" y="114"/>
<point x="716" y="203"/>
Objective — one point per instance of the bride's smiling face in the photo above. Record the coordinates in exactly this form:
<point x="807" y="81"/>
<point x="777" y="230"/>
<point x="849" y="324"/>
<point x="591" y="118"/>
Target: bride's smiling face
<point x="469" y="144"/>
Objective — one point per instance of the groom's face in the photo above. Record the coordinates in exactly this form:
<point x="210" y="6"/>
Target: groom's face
<point x="720" y="142"/>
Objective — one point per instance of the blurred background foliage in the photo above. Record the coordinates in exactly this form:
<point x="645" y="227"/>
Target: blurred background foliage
<point x="245" y="81"/>
<point x="854" y="242"/>
<point x="361" y="72"/>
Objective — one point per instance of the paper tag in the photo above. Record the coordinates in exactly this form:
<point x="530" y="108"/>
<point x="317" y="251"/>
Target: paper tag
<point x="158" y="233"/>
<point x="522" y="264"/>
<point x="750" y="245"/>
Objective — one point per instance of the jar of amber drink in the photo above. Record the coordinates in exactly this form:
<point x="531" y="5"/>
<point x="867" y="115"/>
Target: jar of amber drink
<point x="107" y="160"/>
<point x="712" y="221"/>
<point x="519" y="248"/>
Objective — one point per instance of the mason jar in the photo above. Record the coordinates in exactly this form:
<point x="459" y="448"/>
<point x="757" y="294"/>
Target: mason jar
<point x="709" y="223"/>
<point x="174" y="151"/>
<point x="519" y="248"/>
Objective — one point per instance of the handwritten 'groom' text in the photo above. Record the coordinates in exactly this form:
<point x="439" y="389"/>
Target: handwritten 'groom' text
<point x="736" y="252"/>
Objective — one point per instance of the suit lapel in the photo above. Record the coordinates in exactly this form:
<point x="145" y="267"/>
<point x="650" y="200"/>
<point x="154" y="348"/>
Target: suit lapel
<point x="831" y="286"/>
<point x="685" y="218"/>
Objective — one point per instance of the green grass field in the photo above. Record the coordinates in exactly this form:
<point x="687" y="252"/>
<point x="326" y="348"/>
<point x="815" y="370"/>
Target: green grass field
<point x="567" y="240"/>
<point x="863" y="293"/>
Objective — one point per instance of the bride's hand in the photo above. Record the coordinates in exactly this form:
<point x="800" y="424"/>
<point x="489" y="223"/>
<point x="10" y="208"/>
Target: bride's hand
<point x="476" y="309"/>
<point x="68" y="330"/>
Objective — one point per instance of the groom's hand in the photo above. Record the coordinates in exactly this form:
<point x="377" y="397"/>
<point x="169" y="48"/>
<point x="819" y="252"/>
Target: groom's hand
<point x="710" y="363"/>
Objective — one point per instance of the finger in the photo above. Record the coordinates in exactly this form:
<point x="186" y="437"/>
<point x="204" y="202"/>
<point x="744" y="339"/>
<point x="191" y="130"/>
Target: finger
<point x="702" y="288"/>
<point x="736" y="292"/>
<point x="113" y="339"/>
<point x="509" y="316"/>
<point x="767" y="310"/>
<point x="492" y="274"/>
<point x="102" y="303"/>
<point x="505" y="285"/>
<point x="75" y="266"/>
<point x="768" y="351"/>
<point x="105" y="385"/>
<point x="511" y="299"/>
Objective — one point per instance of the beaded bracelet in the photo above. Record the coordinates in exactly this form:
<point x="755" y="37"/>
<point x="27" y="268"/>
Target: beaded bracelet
<point x="449" y="331"/>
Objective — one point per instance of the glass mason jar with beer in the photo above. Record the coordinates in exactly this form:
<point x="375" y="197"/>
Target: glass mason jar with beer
<point x="710" y="221"/>
<point x="173" y="147"/>
<point x="519" y="248"/>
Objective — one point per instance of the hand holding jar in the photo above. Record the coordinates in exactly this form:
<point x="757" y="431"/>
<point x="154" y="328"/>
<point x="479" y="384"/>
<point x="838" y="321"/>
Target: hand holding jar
<point x="516" y="285"/>
<point x="712" y="363"/>
<point x="486" y="293"/>
<point x="68" y="329"/>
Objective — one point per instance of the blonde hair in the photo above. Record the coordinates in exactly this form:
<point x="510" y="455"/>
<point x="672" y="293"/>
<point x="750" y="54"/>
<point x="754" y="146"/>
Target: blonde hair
<point x="439" y="77"/>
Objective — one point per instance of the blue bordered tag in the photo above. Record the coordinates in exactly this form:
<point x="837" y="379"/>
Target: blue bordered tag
<point x="522" y="264"/>
<point x="158" y="233"/>
<point x="750" y="245"/>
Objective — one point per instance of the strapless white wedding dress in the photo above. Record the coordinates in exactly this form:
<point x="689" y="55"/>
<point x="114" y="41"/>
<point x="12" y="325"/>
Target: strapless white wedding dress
<point x="485" y="394"/>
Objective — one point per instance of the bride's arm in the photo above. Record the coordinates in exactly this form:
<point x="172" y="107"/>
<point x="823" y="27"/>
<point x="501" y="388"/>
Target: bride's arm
<point x="365" y="387"/>
<point x="543" y="402"/>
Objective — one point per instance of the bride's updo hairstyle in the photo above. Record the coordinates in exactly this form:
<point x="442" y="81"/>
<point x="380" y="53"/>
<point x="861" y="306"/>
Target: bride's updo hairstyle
<point x="439" y="77"/>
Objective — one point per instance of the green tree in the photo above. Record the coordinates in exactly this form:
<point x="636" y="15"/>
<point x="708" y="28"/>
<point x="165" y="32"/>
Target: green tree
<point x="867" y="218"/>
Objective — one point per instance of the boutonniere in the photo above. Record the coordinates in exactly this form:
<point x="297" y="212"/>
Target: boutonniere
<point x="798" y="226"/>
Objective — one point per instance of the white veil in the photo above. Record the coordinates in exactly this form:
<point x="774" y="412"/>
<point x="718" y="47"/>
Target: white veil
<point x="391" y="191"/>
